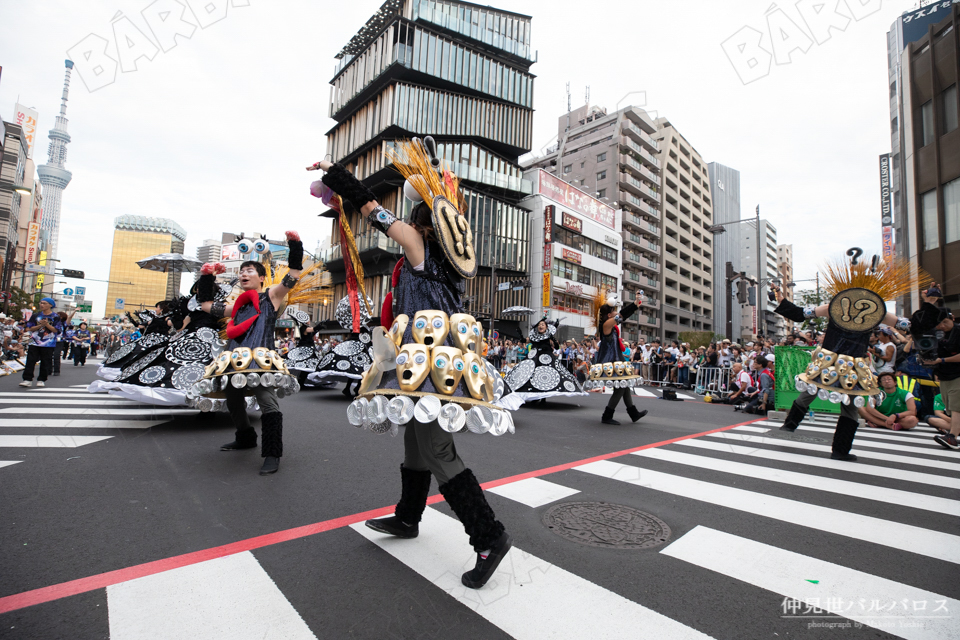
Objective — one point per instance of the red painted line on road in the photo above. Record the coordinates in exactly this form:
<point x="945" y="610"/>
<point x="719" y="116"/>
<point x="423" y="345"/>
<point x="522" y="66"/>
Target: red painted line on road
<point x="103" y="580"/>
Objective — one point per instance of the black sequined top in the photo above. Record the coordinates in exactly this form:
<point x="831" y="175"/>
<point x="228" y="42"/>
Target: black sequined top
<point x="438" y="286"/>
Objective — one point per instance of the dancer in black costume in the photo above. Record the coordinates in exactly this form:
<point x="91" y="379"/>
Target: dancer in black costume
<point x="610" y="350"/>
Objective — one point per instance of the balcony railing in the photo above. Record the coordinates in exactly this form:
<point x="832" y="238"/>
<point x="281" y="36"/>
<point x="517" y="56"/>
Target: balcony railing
<point x="649" y="158"/>
<point x="642" y="136"/>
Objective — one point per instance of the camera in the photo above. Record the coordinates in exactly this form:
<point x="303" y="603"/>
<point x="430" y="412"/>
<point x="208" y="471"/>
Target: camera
<point x="927" y="345"/>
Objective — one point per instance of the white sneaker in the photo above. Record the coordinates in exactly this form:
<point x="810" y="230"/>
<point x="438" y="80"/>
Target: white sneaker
<point x="26" y="383"/>
<point x="40" y="383"/>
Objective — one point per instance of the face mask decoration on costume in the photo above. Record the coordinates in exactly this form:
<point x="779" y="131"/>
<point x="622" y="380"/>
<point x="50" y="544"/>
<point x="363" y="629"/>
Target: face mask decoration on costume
<point x="446" y="368"/>
<point x="222" y="362"/>
<point x="596" y="370"/>
<point x="618" y="368"/>
<point x="399" y="327"/>
<point x="608" y="369"/>
<point x="413" y="365"/>
<point x="278" y="362"/>
<point x="829" y="376"/>
<point x="849" y="380"/>
<point x="628" y="368"/>
<point x="475" y="374"/>
<point x="261" y="355"/>
<point x="241" y="358"/>
<point x="464" y="336"/>
<point x="430" y="327"/>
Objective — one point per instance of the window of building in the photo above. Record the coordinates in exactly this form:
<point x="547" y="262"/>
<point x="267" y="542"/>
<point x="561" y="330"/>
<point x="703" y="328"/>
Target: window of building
<point x="568" y="168"/>
<point x="583" y="244"/>
<point x="601" y="175"/>
<point x="926" y="123"/>
<point x="602" y="157"/>
<point x="951" y="209"/>
<point x="602" y="193"/>
<point x="949" y="108"/>
<point x="582" y="162"/>
<point x="928" y="218"/>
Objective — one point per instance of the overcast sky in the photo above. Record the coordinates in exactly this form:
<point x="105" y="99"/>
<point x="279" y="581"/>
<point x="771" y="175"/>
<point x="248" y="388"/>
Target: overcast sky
<point x="214" y="133"/>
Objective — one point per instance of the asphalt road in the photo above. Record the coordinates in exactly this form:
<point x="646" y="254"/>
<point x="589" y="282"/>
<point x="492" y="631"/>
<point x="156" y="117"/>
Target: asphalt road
<point x="152" y="532"/>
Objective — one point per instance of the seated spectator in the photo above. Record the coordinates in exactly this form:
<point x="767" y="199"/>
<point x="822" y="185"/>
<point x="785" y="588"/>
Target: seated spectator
<point x="739" y="383"/>
<point x="762" y="400"/>
<point x="940" y="420"/>
<point x="898" y="409"/>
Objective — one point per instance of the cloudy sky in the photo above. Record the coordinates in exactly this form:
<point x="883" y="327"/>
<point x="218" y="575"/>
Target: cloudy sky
<point x="214" y="131"/>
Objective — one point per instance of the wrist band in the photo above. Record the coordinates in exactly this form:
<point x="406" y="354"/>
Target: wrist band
<point x="218" y="309"/>
<point x="381" y="219"/>
<point x="289" y="281"/>
<point x="809" y="311"/>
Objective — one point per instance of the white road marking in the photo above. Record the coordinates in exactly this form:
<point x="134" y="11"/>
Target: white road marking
<point x="7" y="463"/>
<point x="809" y="446"/>
<point x="527" y="597"/>
<point x="533" y="492"/>
<point x="824" y="463"/>
<point x="809" y="481"/>
<point x="938" y="451"/>
<point x="839" y="590"/>
<point x="84" y="401"/>
<point x="933" y="544"/>
<point x="57" y="423"/>
<point x="49" y="441"/>
<point x="230" y="598"/>
<point x="146" y="411"/>
<point x="905" y="437"/>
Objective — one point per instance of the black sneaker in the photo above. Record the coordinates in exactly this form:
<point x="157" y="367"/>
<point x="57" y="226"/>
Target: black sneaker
<point x="478" y="576"/>
<point x="846" y="457"/>
<point x="394" y="526"/>
<point x="948" y="441"/>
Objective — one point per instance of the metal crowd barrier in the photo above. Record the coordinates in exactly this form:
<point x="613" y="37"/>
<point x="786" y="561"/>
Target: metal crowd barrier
<point x="713" y="380"/>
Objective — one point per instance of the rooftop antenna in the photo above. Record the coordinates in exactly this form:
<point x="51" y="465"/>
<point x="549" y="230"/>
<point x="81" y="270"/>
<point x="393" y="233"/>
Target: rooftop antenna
<point x="568" y="107"/>
<point x="586" y="99"/>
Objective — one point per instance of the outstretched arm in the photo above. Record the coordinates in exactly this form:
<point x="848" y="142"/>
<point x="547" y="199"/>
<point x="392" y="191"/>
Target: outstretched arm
<point x="295" y="262"/>
<point x="205" y="289"/>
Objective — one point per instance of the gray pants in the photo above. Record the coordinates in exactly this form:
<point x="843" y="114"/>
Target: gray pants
<point x="237" y="405"/>
<point x="623" y="392"/>
<point x="427" y="447"/>
<point x="804" y="400"/>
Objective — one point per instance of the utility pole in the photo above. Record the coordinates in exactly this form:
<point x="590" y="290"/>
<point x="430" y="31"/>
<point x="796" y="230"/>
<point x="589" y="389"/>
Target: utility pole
<point x="761" y="276"/>
<point x="730" y="276"/>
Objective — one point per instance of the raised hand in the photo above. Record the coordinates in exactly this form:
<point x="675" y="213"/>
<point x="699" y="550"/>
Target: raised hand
<point x="293" y="235"/>
<point x="207" y="269"/>
<point x="323" y="165"/>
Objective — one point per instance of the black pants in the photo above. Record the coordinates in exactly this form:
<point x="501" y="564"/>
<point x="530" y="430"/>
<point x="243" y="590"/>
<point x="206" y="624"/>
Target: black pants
<point x="79" y="355"/>
<point x="43" y="355"/>
<point x="625" y="393"/>
<point x="56" y="356"/>
<point x="66" y="350"/>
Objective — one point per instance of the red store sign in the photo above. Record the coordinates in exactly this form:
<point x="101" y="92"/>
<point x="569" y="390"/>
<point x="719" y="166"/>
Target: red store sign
<point x="574" y="224"/>
<point x="572" y="256"/>
<point x="558" y="190"/>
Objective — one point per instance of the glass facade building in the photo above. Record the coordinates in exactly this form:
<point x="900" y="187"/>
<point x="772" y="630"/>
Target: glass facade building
<point x="460" y="73"/>
<point x="136" y="238"/>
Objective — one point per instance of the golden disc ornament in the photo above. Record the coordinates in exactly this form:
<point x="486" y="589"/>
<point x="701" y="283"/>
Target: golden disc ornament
<point x="857" y="310"/>
<point x="456" y="237"/>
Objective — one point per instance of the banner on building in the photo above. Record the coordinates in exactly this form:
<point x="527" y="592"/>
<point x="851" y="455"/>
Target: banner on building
<point x="915" y="23"/>
<point x="229" y="252"/>
<point x="27" y="118"/>
<point x="548" y="257"/>
<point x="572" y="256"/>
<point x="571" y="222"/>
<point x="567" y="194"/>
<point x="886" y="208"/>
<point x="547" y="290"/>
<point x="33" y="242"/>
<point x="43" y="263"/>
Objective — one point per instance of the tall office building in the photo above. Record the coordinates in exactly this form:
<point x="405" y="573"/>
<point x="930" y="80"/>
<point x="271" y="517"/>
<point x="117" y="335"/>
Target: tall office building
<point x="760" y="318"/>
<point x="459" y="72"/>
<point x="209" y="251"/>
<point x="725" y="193"/>
<point x="610" y="156"/>
<point x="136" y="238"/>
<point x="53" y="176"/>
<point x="922" y="62"/>
<point x="687" y="243"/>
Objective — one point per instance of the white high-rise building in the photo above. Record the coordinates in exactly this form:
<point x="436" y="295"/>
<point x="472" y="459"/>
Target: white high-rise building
<point x="53" y="176"/>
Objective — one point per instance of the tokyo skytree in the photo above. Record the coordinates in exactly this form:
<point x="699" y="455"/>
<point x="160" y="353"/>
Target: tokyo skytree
<point x="53" y="176"/>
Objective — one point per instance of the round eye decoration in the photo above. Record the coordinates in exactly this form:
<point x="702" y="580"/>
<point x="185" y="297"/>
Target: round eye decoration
<point x="440" y="362"/>
<point x="243" y="247"/>
<point x="260" y="246"/>
<point x="438" y="323"/>
<point x="402" y="358"/>
<point x="462" y="327"/>
<point x="458" y="364"/>
<point x="396" y="327"/>
<point x="421" y="323"/>
<point x="420" y="358"/>
<point x="476" y="331"/>
<point x="475" y="368"/>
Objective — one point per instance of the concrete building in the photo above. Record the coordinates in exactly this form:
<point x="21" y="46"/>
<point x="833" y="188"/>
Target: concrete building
<point x="923" y="61"/>
<point x="459" y="72"/>
<point x="53" y="175"/>
<point x="611" y="156"/>
<point x="136" y="238"/>
<point x="209" y="251"/>
<point x="13" y="192"/>
<point x="687" y="243"/>
<point x="30" y="241"/>
<point x="785" y="266"/>
<point x="725" y="193"/>
<point x="575" y="251"/>
<point x="760" y="318"/>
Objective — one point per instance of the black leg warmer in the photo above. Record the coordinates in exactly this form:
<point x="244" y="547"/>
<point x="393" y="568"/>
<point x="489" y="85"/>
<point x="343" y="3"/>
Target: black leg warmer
<point x="465" y="497"/>
<point x="271" y="427"/>
<point x="295" y="254"/>
<point x="205" y="288"/>
<point x="843" y="436"/>
<point x="794" y="418"/>
<point x="413" y="495"/>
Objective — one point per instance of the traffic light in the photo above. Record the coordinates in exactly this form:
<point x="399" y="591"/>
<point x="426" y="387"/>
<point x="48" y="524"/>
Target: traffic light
<point x="742" y="291"/>
<point x="752" y="296"/>
<point x="72" y="273"/>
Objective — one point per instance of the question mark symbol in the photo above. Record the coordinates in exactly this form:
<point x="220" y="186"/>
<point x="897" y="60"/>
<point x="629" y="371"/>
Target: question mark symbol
<point x="866" y="307"/>
<point x="854" y="253"/>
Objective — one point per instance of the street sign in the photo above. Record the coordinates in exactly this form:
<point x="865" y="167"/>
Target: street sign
<point x="119" y="304"/>
<point x="41" y="268"/>
<point x="85" y="307"/>
<point x="503" y="286"/>
<point x="81" y="291"/>
<point x="68" y="292"/>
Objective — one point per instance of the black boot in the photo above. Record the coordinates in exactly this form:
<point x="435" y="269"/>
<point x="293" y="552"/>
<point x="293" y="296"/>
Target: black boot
<point x="346" y="390"/>
<point x="607" y="417"/>
<point x="245" y="438"/>
<point x="635" y="414"/>
<point x="413" y="500"/>
<point x="487" y="535"/>
<point x="271" y="429"/>
<point x="794" y="418"/>
<point x="843" y="439"/>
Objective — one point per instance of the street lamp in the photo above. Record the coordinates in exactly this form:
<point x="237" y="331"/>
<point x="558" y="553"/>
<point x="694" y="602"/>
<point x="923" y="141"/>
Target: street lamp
<point x="717" y="229"/>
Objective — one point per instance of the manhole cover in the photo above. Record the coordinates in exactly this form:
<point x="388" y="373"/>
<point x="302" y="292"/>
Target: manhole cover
<point x="788" y="435"/>
<point x="609" y="526"/>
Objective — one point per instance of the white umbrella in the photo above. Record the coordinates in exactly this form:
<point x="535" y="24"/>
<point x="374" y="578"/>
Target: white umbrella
<point x="170" y="262"/>
<point x="518" y="310"/>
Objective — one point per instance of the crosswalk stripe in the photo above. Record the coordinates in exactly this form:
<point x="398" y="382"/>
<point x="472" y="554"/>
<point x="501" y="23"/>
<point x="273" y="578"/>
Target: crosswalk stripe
<point x="914" y="433"/>
<point x="239" y="600"/>
<point x="65" y="393"/>
<point x="819" y="483"/>
<point x="58" y="423"/>
<point x="824" y="463"/>
<point x="934" y="544"/>
<point x="865" y="442"/>
<point x="906" y="437"/>
<point x="788" y="574"/>
<point x="146" y="411"/>
<point x="533" y="492"/>
<point x="557" y="597"/>
<point x="862" y="453"/>
<point x="7" y="463"/>
<point x="79" y="386"/>
<point x="50" y="441"/>
<point x="85" y="401"/>
<point x="831" y="423"/>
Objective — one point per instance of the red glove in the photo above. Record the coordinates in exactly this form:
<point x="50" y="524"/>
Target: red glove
<point x="219" y="268"/>
<point x="212" y="269"/>
<point x="293" y="235"/>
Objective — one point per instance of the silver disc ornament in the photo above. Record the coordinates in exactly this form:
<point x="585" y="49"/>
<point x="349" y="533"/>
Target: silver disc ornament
<point x="348" y="348"/>
<point x="520" y="374"/>
<point x="186" y="350"/>
<point x="139" y="365"/>
<point x="545" y="379"/>
<point x="207" y="334"/>
<point x="188" y="375"/>
<point x="153" y="375"/>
